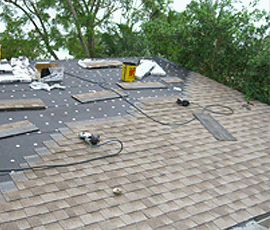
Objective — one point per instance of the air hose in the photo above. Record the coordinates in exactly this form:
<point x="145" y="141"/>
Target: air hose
<point x="96" y="140"/>
<point x="68" y="164"/>
<point x="206" y="108"/>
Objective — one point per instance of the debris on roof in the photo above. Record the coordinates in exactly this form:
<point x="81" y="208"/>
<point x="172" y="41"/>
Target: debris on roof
<point x="41" y="85"/>
<point x="19" y="70"/>
<point x="5" y="68"/>
<point x="53" y="74"/>
<point x="150" y="66"/>
<point x="92" y="64"/>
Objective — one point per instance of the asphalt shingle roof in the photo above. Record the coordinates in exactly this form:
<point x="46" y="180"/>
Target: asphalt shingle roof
<point x="172" y="177"/>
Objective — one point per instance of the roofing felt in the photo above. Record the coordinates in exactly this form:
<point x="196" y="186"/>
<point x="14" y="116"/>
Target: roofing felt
<point x="172" y="177"/>
<point x="68" y="105"/>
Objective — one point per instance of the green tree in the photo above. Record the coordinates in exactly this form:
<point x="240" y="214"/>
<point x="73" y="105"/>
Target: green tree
<point x="79" y="24"/>
<point x="215" y="39"/>
<point x="83" y="19"/>
<point x="18" y="43"/>
<point x="126" y="38"/>
<point x="37" y="15"/>
<point x="123" y="41"/>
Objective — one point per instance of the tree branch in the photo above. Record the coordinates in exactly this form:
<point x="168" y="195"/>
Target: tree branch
<point x="85" y="6"/>
<point x="106" y="15"/>
<point x="30" y="17"/>
<point x="78" y="29"/>
<point x="93" y="4"/>
<point x="96" y="9"/>
<point x="45" y="33"/>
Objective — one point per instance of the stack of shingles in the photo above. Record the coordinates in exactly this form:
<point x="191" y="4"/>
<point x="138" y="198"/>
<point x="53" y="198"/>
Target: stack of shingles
<point x="20" y="127"/>
<point x="34" y="103"/>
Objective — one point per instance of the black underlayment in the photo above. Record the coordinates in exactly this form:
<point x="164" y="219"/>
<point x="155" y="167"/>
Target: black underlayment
<point x="61" y="107"/>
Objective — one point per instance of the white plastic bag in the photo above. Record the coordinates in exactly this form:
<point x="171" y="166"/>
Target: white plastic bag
<point x="148" y="65"/>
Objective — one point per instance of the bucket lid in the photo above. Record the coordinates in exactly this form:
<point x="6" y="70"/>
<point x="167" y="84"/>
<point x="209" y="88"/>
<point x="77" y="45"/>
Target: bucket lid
<point x="130" y="63"/>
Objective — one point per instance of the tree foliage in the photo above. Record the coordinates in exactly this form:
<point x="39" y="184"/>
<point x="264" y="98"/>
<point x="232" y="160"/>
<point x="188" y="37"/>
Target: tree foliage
<point x="26" y="44"/>
<point x="83" y="18"/>
<point x="215" y="39"/>
<point x="122" y="41"/>
<point x="35" y="17"/>
<point x="126" y="38"/>
<point x="210" y="36"/>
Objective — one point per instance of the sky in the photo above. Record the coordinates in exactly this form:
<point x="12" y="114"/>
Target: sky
<point x="180" y="5"/>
